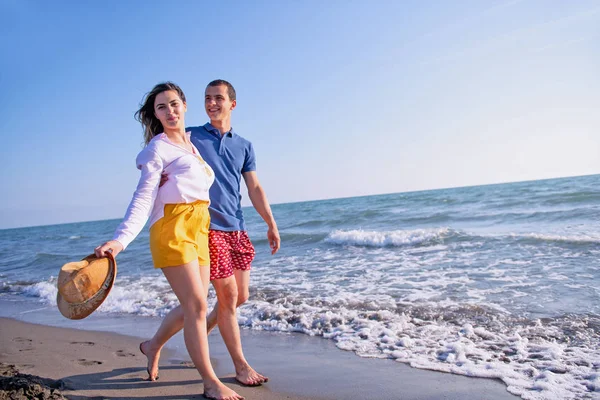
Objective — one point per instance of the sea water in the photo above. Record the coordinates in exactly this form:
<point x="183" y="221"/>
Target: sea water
<point x="497" y="281"/>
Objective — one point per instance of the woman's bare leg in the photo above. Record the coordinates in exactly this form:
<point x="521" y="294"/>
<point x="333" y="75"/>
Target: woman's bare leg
<point x="171" y="324"/>
<point x="188" y="281"/>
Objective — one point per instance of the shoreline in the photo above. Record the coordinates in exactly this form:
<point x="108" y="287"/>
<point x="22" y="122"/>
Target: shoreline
<point x="94" y="364"/>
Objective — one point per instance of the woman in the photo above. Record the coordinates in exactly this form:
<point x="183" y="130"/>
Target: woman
<point x="179" y="220"/>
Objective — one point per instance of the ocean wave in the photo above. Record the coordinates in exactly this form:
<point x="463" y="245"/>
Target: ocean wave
<point x="46" y="291"/>
<point x="146" y="296"/>
<point x="533" y="237"/>
<point x="359" y="237"/>
<point x="581" y="238"/>
<point x="586" y="197"/>
<point x="288" y="237"/>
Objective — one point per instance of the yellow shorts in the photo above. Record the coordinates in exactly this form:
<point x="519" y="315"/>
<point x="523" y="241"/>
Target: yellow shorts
<point x="181" y="236"/>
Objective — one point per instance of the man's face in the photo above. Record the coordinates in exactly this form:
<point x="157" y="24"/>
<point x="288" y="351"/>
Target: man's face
<point x="217" y="104"/>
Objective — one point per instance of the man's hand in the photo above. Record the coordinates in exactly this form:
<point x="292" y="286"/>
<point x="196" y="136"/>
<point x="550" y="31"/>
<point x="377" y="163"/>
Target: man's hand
<point x="112" y="246"/>
<point x="274" y="240"/>
<point x="261" y="204"/>
<point x="163" y="179"/>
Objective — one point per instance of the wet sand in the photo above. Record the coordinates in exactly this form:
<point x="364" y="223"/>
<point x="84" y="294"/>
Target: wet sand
<point x="104" y="365"/>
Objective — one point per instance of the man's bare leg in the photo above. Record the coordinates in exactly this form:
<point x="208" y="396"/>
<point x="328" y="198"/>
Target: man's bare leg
<point x="211" y="320"/>
<point x="227" y="298"/>
<point x="242" y="280"/>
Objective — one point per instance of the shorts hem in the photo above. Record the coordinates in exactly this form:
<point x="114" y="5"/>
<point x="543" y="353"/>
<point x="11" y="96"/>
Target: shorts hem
<point x="177" y="263"/>
<point x="222" y="277"/>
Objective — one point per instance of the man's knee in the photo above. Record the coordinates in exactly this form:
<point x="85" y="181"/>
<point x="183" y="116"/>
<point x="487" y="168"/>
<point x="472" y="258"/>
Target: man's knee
<point x="242" y="280"/>
<point x="242" y="297"/>
<point x="227" y="294"/>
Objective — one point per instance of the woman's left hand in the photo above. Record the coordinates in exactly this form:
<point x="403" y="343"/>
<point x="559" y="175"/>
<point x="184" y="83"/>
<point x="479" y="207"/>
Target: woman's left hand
<point x="112" y="246"/>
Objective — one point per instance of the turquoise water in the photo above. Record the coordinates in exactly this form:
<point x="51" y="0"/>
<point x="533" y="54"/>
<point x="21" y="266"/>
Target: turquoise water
<point x="497" y="281"/>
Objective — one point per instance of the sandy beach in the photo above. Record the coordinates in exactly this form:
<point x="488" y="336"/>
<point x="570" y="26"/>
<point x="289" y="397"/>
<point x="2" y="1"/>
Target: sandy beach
<point x="104" y="365"/>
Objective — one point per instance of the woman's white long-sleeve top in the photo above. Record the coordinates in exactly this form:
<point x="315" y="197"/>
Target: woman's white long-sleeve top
<point x="189" y="179"/>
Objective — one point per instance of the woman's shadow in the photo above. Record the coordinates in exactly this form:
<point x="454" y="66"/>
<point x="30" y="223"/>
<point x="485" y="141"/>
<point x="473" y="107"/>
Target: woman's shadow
<point x="126" y="381"/>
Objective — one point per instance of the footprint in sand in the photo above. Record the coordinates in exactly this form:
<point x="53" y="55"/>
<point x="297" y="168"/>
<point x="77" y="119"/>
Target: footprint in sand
<point x="188" y="364"/>
<point x="88" y="363"/>
<point x="22" y="340"/>
<point x="123" y="353"/>
<point x="25" y="342"/>
<point x="84" y="343"/>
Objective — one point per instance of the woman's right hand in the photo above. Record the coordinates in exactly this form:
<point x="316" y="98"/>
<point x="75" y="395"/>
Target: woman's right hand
<point x="112" y="246"/>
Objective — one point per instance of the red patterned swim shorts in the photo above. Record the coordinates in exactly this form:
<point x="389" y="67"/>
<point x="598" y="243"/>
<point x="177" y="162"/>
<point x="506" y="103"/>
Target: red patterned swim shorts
<point x="229" y="251"/>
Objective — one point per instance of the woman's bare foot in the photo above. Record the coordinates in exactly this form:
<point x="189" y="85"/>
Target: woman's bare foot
<point x="247" y="376"/>
<point x="153" y="356"/>
<point x="220" y="392"/>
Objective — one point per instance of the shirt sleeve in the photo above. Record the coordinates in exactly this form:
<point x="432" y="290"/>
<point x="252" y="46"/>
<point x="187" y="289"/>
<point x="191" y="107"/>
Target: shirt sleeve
<point x="141" y="204"/>
<point x="250" y="161"/>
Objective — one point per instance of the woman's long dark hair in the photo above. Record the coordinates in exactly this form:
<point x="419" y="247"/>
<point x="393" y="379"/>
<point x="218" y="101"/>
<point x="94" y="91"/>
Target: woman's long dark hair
<point x="145" y="115"/>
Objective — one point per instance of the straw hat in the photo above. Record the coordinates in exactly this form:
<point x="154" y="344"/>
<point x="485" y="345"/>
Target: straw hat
<point x="84" y="285"/>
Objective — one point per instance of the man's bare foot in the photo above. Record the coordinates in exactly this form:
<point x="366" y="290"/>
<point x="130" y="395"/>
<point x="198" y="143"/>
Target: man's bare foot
<point x="153" y="356"/>
<point x="247" y="376"/>
<point x="220" y="392"/>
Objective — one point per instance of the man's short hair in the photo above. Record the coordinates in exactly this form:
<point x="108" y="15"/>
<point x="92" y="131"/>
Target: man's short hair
<point x="230" y="89"/>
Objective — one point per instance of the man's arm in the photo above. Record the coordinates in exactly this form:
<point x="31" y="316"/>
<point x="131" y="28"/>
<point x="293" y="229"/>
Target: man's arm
<point x="261" y="204"/>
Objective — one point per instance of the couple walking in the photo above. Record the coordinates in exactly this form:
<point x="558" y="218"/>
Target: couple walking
<point x="189" y="189"/>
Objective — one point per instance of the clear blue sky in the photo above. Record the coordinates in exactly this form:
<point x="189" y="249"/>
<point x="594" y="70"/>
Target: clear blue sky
<point x="340" y="98"/>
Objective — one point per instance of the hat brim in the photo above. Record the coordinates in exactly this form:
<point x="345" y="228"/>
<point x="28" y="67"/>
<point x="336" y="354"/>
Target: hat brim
<point x="82" y="310"/>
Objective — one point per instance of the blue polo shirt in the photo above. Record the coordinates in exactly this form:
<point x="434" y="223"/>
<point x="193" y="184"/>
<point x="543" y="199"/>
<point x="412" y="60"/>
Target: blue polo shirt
<point x="229" y="155"/>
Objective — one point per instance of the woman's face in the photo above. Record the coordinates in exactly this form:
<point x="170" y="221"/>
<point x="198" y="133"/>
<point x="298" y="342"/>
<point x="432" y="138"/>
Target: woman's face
<point x="170" y="109"/>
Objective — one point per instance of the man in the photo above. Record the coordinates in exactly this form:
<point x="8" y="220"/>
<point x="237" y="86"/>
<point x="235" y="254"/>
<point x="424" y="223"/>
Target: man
<point x="231" y="157"/>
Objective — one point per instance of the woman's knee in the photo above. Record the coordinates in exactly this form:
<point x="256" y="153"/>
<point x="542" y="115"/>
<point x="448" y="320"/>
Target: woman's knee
<point x="196" y="306"/>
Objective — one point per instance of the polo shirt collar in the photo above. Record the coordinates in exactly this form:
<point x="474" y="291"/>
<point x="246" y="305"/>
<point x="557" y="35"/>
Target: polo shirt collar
<point x="215" y="131"/>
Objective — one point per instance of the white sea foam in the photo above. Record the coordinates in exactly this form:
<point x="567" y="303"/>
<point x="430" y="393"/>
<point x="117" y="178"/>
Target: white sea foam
<point x="386" y="238"/>
<point x="527" y="358"/>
